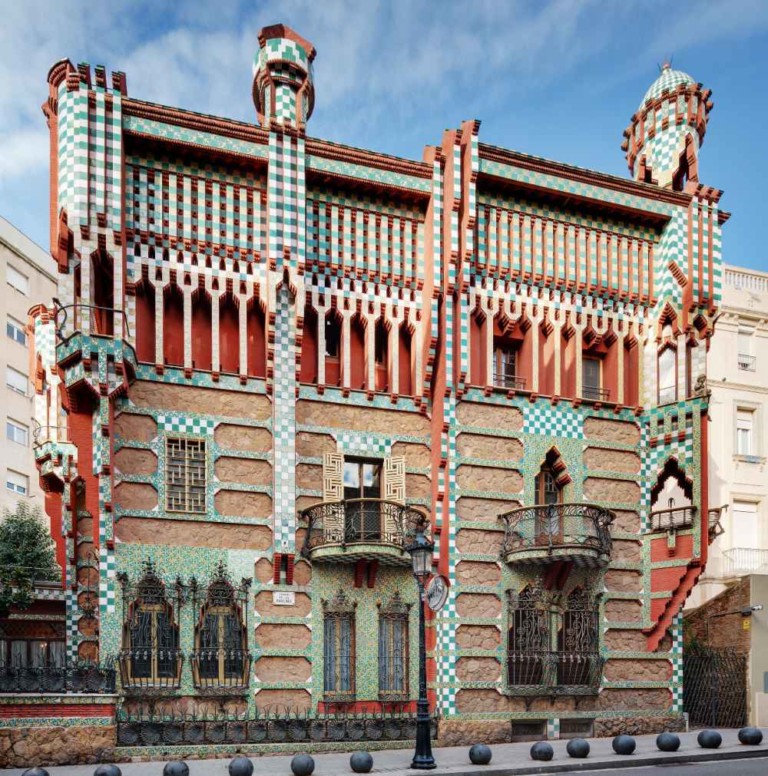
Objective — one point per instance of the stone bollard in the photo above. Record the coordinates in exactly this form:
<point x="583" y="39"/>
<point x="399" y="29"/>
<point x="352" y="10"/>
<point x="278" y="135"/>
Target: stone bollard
<point x="361" y="762"/>
<point x="107" y="770"/>
<point x="667" y="742"/>
<point x="751" y="736"/>
<point x="240" y="766"/>
<point x="541" y="750"/>
<point x="176" y="768"/>
<point x="624" y="745"/>
<point x="709" y="739"/>
<point x="577" y="747"/>
<point x="480" y="754"/>
<point x="302" y="765"/>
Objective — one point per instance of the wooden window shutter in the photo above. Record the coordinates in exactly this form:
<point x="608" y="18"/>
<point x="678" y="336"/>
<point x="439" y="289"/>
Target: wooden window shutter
<point x="394" y="479"/>
<point x="333" y="477"/>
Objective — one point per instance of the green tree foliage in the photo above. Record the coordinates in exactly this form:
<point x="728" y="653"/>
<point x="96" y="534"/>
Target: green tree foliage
<point x="26" y="554"/>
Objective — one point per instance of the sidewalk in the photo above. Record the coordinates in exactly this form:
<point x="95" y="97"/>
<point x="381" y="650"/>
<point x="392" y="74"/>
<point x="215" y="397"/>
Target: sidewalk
<point x="508" y="760"/>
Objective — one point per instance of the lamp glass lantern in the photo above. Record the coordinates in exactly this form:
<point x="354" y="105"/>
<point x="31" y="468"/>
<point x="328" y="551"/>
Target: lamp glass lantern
<point x="421" y="557"/>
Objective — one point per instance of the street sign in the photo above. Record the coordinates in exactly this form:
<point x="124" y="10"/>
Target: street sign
<point x="283" y="598"/>
<point x="437" y="593"/>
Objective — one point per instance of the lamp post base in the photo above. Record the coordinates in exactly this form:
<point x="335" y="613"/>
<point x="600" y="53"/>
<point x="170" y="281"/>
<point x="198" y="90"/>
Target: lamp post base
<point x="423" y="763"/>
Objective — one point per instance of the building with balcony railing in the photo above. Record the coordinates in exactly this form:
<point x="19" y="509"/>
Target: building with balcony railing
<point x="279" y="359"/>
<point x="737" y="381"/>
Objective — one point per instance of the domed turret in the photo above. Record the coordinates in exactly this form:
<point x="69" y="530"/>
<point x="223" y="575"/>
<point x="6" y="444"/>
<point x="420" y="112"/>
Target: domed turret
<point x="663" y="140"/>
<point x="282" y="77"/>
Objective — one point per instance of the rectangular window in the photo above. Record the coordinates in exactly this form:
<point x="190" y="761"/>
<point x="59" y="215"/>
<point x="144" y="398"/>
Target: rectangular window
<point x="17" y="432"/>
<point x="16" y="279"/>
<point x="393" y="656"/>
<point x="505" y="367"/>
<point x="746" y="360"/>
<point x="15" y="330"/>
<point x="746" y="536"/>
<point x="362" y="497"/>
<point x="667" y="376"/>
<point x="17" y="483"/>
<point x="745" y="442"/>
<point x="591" y="380"/>
<point x="15" y="380"/>
<point x="339" y="656"/>
<point x="185" y="476"/>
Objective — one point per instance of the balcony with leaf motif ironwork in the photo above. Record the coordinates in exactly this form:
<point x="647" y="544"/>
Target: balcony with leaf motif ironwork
<point x="552" y="532"/>
<point x="361" y="528"/>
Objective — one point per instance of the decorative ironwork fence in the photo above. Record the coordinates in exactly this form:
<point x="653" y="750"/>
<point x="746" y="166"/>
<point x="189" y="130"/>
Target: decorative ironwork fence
<point x="72" y="677"/>
<point x="362" y="520"/>
<point x="673" y="518"/>
<point x="715" y="687"/>
<point x="558" y="525"/>
<point x="277" y="725"/>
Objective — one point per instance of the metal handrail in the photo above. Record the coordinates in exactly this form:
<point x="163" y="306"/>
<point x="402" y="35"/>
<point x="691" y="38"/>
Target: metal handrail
<point x="554" y="672"/>
<point x="672" y="518"/>
<point x="362" y="520"/>
<point x="551" y="526"/>
<point x="746" y="362"/>
<point x="71" y="678"/>
<point x="503" y="380"/>
<point x="237" y="668"/>
<point x="36" y="433"/>
<point x="744" y="560"/>
<point x="592" y="393"/>
<point x="129" y="660"/>
<point x="60" y="322"/>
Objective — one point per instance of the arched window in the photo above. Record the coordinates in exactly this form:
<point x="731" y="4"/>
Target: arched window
<point x="549" y="494"/>
<point x="150" y="656"/>
<point x="332" y="326"/>
<point x="381" y="355"/>
<point x="339" y="649"/>
<point x="173" y="326"/>
<point x="145" y="322"/>
<point x="229" y="334"/>
<point x="202" y="347"/>
<point x="578" y="659"/>
<point x="393" y="650"/>
<point x="220" y="658"/>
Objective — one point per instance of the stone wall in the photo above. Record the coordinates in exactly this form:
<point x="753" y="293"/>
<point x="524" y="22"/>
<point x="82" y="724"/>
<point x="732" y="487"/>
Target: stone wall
<point x="24" y="747"/>
<point x="724" y="631"/>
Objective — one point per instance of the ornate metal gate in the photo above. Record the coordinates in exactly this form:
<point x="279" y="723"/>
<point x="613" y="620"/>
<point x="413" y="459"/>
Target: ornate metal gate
<point x="715" y="687"/>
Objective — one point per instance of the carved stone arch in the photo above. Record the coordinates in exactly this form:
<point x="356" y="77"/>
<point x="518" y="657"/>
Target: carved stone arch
<point x="667" y="317"/>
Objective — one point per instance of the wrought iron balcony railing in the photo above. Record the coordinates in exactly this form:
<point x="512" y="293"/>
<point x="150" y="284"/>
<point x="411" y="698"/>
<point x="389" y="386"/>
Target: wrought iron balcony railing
<point x="746" y="363"/>
<point x="507" y="380"/>
<point x="673" y="518"/>
<point x="741" y="561"/>
<point x="102" y="320"/>
<point x="592" y="393"/>
<point x="221" y="671"/>
<point x="69" y="678"/>
<point x="356" y="528"/>
<point x="554" y="672"/>
<point x="151" y="671"/>
<point x="546" y="533"/>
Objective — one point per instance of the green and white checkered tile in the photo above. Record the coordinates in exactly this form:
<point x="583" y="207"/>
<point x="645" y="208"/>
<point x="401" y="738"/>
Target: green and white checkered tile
<point x="554" y="421"/>
<point x="176" y="423"/>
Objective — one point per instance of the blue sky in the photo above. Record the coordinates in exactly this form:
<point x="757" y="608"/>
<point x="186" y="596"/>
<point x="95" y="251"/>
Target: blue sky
<point x="557" y="79"/>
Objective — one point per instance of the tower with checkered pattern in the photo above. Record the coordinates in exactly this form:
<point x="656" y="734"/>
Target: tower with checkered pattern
<point x="283" y="91"/>
<point x="663" y="139"/>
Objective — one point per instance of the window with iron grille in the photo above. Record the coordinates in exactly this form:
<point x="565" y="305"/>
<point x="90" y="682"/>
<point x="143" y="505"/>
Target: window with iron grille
<point x="393" y="650"/>
<point x="339" y="648"/>
<point x="185" y="477"/>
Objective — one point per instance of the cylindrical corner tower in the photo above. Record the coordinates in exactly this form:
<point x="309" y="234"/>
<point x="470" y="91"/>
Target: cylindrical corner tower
<point x="283" y="91"/>
<point x="663" y="139"/>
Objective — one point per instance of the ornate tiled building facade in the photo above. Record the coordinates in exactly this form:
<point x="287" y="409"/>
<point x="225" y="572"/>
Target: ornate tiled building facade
<point x="276" y="357"/>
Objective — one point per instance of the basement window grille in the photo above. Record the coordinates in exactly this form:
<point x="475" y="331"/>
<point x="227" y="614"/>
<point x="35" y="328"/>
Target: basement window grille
<point x="185" y="475"/>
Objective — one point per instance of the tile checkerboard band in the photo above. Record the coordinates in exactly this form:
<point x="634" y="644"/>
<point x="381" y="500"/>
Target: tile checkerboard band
<point x="677" y="663"/>
<point x="363" y="444"/>
<point x="553" y="421"/>
<point x="185" y="424"/>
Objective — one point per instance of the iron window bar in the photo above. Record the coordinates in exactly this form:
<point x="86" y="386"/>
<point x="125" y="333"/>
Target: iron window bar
<point x="73" y="677"/>
<point x="61" y="315"/>
<point x="673" y="518"/>
<point x="503" y="379"/>
<point x="746" y="362"/>
<point x="593" y="393"/>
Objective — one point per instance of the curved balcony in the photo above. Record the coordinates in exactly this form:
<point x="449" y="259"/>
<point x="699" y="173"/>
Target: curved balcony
<point x="358" y="529"/>
<point x="548" y="533"/>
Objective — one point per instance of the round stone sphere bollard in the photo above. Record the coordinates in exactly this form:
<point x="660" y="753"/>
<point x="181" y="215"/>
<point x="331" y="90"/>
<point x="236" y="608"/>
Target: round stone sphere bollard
<point x="240" y="766"/>
<point x="668" y="742"/>
<point x="176" y="768"/>
<point x="480" y="754"/>
<point x="107" y="770"/>
<point x="709" y="739"/>
<point x="624" y="745"/>
<point x="37" y="771"/>
<point x="751" y="736"/>
<point x="361" y="762"/>
<point x="577" y="747"/>
<point x="302" y="765"/>
<point x="541" y="750"/>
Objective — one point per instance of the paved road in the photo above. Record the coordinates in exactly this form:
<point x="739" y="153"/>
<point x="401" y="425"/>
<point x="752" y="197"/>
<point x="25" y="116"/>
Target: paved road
<point x="756" y="767"/>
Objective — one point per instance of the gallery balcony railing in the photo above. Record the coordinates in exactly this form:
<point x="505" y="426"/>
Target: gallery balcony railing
<point x="507" y="380"/>
<point x="741" y="561"/>
<point x="68" y="320"/>
<point x="673" y="518"/>
<point x="221" y="671"/>
<point x="68" y="678"/>
<point x="593" y="393"/>
<point x="350" y="530"/>
<point x="150" y="671"/>
<point x="554" y="672"/>
<point x="746" y="363"/>
<point x="547" y="533"/>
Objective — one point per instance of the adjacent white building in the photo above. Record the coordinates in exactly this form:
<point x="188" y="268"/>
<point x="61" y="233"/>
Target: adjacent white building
<point x="738" y="474"/>
<point x="27" y="278"/>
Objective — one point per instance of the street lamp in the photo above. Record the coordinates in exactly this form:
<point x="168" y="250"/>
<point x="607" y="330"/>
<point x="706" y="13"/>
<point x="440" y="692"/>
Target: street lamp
<point x="421" y="559"/>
